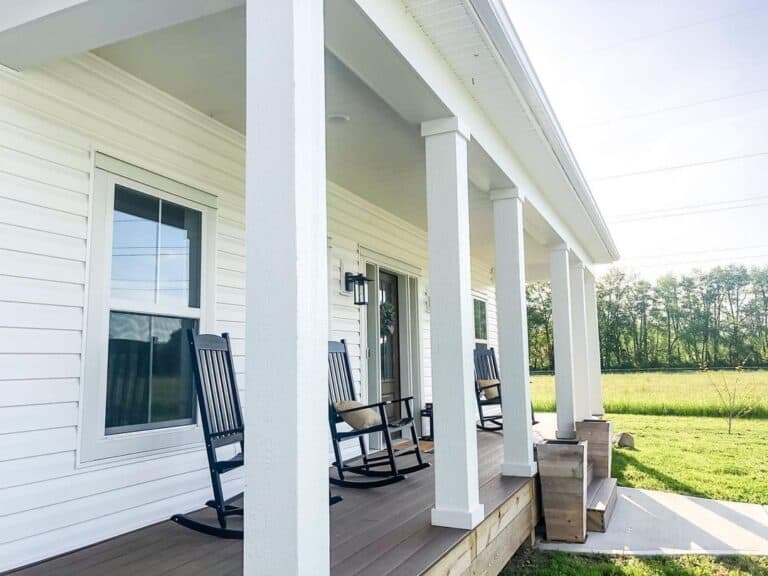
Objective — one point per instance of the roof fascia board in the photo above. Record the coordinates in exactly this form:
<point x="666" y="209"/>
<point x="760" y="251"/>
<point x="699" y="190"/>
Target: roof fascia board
<point x="495" y="20"/>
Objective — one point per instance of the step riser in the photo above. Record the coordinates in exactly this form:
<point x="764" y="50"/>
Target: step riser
<point x="598" y="519"/>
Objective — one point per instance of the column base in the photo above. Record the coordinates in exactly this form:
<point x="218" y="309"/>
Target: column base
<point x="525" y="470"/>
<point x="464" y="519"/>
<point x="565" y="434"/>
<point x="600" y="416"/>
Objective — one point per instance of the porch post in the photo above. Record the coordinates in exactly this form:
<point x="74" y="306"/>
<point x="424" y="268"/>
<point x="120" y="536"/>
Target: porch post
<point x="581" y="364"/>
<point x="457" y="499"/>
<point x="286" y="470"/>
<point x="593" y="346"/>
<point x="563" y="331"/>
<point x="513" y="332"/>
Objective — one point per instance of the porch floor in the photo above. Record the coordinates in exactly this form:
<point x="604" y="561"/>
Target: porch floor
<point x="378" y="531"/>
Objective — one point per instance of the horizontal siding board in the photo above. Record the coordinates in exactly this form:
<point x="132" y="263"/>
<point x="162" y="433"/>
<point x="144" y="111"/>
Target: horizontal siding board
<point x="36" y="443"/>
<point x="28" y="215"/>
<point x="42" y="243"/>
<point x="28" y="265"/>
<point x="39" y="341"/>
<point x="36" y="469"/>
<point x="55" y="199"/>
<point x="40" y="291"/>
<point x="28" y="418"/>
<point x="23" y="315"/>
<point x="41" y="391"/>
<point x="34" y="366"/>
<point x="39" y="170"/>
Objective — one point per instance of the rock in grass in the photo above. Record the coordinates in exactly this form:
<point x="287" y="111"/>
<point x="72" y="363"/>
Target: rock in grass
<point x="624" y="440"/>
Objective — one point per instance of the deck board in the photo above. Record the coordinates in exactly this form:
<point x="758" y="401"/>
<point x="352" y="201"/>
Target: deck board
<point x="379" y="531"/>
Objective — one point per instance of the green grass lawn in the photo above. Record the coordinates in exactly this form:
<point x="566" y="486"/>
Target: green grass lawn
<point x="529" y="562"/>
<point x="695" y="456"/>
<point x="659" y="393"/>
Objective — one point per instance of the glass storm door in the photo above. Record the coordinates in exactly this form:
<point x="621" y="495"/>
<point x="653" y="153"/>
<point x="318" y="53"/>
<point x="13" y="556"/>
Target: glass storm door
<point x="389" y="341"/>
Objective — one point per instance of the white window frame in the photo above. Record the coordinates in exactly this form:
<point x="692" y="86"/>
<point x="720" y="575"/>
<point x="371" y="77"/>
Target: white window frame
<point x="483" y="341"/>
<point x="95" y="445"/>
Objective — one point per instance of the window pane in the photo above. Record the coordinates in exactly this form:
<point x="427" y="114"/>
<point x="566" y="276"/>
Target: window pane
<point x="149" y="377"/>
<point x="179" y="256"/>
<point x="172" y="397"/>
<point x="481" y="328"/>
<point x="134" y="245"/>
<point x="128" y="370"/>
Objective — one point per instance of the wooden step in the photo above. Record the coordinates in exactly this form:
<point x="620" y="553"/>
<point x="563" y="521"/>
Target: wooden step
<point x="601" y="501"/>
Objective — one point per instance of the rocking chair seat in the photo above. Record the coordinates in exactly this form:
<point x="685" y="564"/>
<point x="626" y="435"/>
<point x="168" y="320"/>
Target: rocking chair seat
<point x="235" y="462"/>
<point x="402" y="422"/>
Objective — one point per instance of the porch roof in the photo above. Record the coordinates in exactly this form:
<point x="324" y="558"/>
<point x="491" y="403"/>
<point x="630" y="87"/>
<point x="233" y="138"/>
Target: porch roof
<point x="199" y="57"/>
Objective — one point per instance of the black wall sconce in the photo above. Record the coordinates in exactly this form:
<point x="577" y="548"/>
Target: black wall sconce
<point x="358" y="285"/>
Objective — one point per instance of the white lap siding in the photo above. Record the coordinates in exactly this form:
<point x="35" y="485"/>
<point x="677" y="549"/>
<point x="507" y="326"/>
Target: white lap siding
<point x="52" y="121"/>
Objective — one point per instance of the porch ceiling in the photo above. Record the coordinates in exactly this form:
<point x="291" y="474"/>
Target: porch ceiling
<point x="377" y="154"/>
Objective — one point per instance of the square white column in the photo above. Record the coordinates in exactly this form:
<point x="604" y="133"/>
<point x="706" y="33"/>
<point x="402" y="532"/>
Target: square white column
<point x="457" y="501"/>
<point x="581" y="363"/>
<point x="286" y="424"/>
<point x="512" y="318"/>
<point x="563" y="333"/>
<point x="593" y="347"/>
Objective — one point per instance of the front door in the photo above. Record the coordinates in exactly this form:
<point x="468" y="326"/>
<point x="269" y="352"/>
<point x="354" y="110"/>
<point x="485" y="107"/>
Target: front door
<point x="389" y="341"/>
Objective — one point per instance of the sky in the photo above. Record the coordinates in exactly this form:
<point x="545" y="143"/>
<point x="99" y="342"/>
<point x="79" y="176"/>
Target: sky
<point x="665" y="105"/>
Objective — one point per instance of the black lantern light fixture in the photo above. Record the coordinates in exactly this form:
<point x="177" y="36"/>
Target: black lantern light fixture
<point x="358" y="285"/>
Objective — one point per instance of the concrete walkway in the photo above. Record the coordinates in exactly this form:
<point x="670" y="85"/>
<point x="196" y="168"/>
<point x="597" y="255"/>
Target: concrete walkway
<point x="647" y="522"/>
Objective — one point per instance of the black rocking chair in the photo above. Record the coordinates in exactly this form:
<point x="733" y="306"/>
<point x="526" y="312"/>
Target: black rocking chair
<point x="489" y="395"/>
<point x="382" y="468"/>
<point x="219" y="404"/>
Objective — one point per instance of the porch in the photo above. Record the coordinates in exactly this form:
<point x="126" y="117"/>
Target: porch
<point x="381" y="531"/>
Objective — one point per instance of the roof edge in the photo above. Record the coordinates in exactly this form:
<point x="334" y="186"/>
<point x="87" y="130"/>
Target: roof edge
<point x="495" y="19"/>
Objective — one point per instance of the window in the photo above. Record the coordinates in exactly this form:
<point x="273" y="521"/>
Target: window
<point x="146" y="290"/>
<point x="481" y="325"/>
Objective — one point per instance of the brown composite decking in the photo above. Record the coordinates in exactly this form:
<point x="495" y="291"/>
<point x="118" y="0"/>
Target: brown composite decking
<point x="377" y="531"/>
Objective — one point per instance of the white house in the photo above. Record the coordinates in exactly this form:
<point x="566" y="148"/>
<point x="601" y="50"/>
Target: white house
<point x="178" y="163"/>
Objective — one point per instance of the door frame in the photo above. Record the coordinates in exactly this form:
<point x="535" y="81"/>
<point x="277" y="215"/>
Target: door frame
<point x="410" y="328"/>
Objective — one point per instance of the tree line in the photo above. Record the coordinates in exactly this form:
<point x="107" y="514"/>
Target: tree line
<point x="715" y="318"/>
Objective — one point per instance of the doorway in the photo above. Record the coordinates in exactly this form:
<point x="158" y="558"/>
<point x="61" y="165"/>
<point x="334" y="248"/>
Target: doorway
<point x="393" y="343"/>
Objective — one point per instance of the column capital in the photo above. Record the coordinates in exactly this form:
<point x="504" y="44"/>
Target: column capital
<point x="444" y="126"/>
<point x="511" y="193"/>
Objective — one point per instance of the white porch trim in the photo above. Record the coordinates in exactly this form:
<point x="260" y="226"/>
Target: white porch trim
<point x="36" y="33"/>
<point x="593" y="346"/>
<point x="286" y="498"/>
<point x="457" y="498"/>
<point x="581" y="364"/>
<point x="563" y="331"/>
<point x="512" y="321"/>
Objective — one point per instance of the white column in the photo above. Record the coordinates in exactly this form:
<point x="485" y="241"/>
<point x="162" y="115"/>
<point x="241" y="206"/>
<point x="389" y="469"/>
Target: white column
<point x="513" y="332"/>
<point x="286" y="427"/>
<point x="562" y="327"/>
<point x="593" y="347"/>
<point x="457" y="502"/>
<point x="581" y="364"/>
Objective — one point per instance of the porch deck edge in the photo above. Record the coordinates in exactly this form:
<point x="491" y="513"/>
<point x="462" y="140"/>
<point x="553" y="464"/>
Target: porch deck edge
<point x="488" y="547"/>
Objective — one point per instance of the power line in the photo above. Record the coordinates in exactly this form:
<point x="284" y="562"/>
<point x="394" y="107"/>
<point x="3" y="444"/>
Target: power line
<point x="688" y="209"/>
<point x="679" y="166"/>
<point x="695" y="252"/>
<point x="667" y="109"/>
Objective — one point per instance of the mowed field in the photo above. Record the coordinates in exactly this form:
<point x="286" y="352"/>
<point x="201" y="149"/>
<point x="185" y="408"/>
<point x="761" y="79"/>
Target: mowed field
<point x="665" y="393"/>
